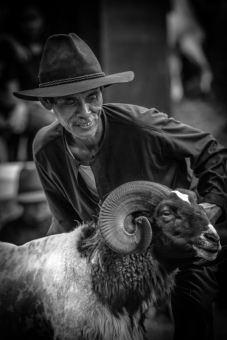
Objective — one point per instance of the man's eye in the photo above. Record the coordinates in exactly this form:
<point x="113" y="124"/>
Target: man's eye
<point x="71" y="102"/>
<point x="66" y="101"/>
<point x="92" y="98"/>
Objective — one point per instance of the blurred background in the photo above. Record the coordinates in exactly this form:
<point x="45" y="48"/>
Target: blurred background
<point x="177" y="50"/>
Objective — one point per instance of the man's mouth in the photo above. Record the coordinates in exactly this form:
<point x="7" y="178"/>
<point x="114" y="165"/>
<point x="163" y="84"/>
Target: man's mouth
<point x="84" y="123"/>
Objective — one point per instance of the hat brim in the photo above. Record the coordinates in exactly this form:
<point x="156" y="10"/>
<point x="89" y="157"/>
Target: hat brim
<point x="32" y="197"/>
<point x="75" y="87"/>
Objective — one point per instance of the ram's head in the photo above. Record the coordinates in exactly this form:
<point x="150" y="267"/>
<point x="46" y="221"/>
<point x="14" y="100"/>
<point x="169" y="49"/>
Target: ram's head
<point x="143" y="214"/>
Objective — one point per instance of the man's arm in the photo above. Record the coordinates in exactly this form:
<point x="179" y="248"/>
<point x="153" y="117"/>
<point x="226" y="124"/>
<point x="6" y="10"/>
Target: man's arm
<point x="55" y="227"/>
<point x="208" y="161"/>
<point x="213" y="211"/>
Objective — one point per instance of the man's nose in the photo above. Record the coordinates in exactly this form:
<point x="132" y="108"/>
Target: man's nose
<point x="83" y="108"/>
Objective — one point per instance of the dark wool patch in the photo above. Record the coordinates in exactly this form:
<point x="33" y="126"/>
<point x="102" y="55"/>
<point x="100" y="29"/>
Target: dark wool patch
<point x="86" y="243"/>
<point x="125" y="281"/>
<point x="122" y="281"/>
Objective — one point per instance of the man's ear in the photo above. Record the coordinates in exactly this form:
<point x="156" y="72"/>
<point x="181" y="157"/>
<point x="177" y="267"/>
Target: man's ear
<point x="46" y="103"/>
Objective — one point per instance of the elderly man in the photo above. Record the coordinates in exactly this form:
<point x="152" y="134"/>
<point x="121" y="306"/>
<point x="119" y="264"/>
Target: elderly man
<point x="94" y="147"/>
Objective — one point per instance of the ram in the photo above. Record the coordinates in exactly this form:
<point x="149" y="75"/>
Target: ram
<point x="98" y="281"/>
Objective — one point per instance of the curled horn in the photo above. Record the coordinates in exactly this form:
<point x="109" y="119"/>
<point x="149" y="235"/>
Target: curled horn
<point x="120" y="230"/>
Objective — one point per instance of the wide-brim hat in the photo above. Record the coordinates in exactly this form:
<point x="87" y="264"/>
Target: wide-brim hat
<point x="69" y="66"/>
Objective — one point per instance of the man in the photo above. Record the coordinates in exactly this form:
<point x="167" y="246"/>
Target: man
<point x="94" y="148"/>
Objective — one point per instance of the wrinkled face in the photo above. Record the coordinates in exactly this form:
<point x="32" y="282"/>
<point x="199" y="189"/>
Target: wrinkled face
<point x="79" y="113"/>
<point x="184" y="230"/>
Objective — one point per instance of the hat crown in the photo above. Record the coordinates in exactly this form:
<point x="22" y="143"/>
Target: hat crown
<point x="69" y="66"/>
<point x="30" y="188"/>
<point x="65" y="58"/>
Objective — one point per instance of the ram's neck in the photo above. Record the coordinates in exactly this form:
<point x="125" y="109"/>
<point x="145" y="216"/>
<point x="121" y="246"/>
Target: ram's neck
<point x="124" y="282"/>
<point x="130" y="282"/>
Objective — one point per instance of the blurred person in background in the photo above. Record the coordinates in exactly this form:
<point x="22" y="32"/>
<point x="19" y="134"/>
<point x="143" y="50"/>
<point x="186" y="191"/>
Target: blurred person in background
<point x="186" y="38"/>
<point x="26" y="33"/>
<point x="19" y="120"/>
<point x="30" y="29"/>
<point x="197" y="64"/>
<point x="10" y="209"/>
<point x="35" y="220"/>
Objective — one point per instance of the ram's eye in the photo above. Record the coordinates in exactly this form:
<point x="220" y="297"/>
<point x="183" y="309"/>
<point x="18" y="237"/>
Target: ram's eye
<point x="166" y="213"/>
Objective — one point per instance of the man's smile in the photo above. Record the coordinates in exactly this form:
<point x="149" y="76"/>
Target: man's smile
<point x="83" y="127"/>
<point x="83" y="123"/>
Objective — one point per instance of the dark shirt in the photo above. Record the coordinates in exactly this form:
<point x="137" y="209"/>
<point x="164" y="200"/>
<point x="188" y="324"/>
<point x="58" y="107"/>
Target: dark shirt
<point x="138" y="144"/>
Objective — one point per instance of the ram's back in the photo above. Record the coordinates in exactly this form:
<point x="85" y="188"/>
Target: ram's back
<point x="44" y="286"/>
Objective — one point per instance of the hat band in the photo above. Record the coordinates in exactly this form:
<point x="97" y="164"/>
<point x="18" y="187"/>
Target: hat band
<point x="72" y="80"/>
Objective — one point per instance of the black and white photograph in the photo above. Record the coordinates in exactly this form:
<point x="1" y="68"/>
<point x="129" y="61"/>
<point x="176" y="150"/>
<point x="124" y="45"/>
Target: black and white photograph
<point x="113" y="170"/>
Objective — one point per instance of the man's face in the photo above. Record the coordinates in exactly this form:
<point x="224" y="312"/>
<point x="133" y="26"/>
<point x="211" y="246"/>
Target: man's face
<point x="79" y="113"/>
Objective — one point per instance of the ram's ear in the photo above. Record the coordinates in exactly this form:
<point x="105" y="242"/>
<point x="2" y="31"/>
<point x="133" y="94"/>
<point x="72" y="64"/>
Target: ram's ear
<point x="189" y="192"/>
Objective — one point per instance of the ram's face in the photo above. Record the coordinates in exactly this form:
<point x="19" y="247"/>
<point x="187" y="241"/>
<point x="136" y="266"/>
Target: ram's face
<point x="183" y="230"/>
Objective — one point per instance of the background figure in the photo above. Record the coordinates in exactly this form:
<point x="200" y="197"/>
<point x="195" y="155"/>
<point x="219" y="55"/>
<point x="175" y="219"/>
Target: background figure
<point x="19" y="121"/>
<point x="20" y="54"/>
<point x="9" y="207"/>
<point x="186" y="39"/>
<point x="36" y="217"/>
<point x="27" y="37"/>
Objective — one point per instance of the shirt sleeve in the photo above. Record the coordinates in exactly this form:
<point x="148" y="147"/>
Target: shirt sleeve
<point x="64" y="215"/>
<point x="207" y="157"/>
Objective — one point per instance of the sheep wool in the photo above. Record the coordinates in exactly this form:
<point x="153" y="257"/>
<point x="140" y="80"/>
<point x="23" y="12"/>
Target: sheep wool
<point x="82" y="285"/>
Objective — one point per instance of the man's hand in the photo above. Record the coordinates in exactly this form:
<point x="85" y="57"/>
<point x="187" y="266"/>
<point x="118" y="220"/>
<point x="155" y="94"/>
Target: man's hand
<point x="212" y="210"/>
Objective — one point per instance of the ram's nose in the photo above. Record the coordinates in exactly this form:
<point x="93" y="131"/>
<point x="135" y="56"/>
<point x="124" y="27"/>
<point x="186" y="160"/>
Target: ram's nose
<point x="213" y="238"/>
